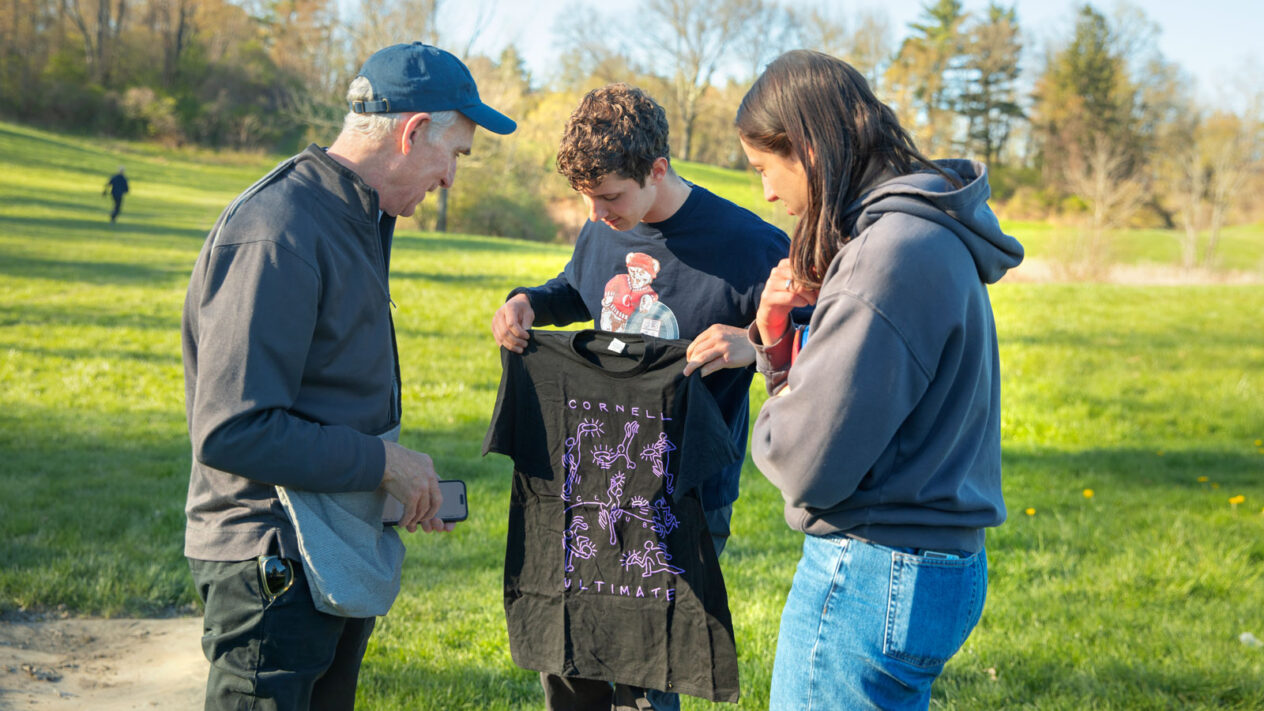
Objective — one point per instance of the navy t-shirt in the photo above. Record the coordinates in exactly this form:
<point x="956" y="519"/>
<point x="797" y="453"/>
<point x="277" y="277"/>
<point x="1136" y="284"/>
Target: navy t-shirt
<point x="704" y="265"/>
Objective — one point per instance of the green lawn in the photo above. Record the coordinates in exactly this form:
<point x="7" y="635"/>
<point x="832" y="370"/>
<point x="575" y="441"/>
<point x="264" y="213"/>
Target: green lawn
<point x="1151" y="397"/>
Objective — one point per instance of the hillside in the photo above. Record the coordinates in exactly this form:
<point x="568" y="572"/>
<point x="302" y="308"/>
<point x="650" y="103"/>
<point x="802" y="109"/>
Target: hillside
<point x="1130" y="567"/>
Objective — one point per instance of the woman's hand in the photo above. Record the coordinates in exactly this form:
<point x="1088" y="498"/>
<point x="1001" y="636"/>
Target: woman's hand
<point x="781" y="296"/>
<point x="719" y="347"/>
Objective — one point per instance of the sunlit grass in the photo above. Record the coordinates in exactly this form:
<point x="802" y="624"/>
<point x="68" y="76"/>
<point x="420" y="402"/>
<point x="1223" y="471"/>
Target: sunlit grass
<point x="1134" y="598"/>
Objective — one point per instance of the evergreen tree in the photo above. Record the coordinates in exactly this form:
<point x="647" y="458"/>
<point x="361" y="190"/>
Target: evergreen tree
<point x="989" y="101"/>
<point x="926" y="76"/>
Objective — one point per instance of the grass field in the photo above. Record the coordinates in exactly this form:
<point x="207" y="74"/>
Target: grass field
<point x="1150" y="397"/>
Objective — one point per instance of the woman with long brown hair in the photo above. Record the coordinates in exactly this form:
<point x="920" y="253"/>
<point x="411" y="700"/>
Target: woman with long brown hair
<point x="883" y="434"/>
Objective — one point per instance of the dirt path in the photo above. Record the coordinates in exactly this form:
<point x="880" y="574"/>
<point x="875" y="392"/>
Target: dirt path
<point x="104" y="665"/>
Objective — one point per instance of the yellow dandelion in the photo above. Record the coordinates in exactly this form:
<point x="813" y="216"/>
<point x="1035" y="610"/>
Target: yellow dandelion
<point x="1203" y="480"/>
<point x="1235" y="500"/>
<point x="1088" y="493"/>
<point x="1259" y="443"/>
<point x="1032" y="512"/>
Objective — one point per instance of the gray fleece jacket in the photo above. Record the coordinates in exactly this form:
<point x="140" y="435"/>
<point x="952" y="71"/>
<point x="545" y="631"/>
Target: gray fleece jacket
<point x="289" y="355"/>
<point x="890" y="428"/>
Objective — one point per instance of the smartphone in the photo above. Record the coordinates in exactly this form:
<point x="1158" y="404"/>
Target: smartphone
<point x="453" y="509"/>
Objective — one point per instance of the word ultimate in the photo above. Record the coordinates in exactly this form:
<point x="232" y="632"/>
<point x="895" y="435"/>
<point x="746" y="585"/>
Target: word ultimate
<point x="604" y="407"/>
<point x="602" y="586"/>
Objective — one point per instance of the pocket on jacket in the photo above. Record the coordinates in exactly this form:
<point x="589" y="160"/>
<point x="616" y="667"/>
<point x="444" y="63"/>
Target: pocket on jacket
<point x="933" y="606"/>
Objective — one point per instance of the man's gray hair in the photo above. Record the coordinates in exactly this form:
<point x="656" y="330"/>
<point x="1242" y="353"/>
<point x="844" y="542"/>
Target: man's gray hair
<point x="380" y="126"/>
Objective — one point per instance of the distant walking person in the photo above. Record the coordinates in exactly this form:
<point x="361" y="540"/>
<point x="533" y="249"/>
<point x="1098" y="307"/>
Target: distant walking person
<point x="116" y="186"/>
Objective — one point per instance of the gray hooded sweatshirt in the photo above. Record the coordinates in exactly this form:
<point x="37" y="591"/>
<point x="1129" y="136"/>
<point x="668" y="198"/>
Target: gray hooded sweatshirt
<point x="890" y="428"/>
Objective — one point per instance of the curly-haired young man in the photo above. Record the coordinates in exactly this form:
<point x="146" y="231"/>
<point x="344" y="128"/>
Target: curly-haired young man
<point x="658" y="256"/>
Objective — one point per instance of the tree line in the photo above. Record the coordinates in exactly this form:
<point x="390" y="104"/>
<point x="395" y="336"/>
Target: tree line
<point x="1097" y="125"/>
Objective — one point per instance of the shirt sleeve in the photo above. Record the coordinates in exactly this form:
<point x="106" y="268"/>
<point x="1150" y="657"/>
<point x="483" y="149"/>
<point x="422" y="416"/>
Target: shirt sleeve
<point x="251" y="358"/>
<point x="517" y="428"/>
<point x="555" y="303"/>
<point x="706" y="445"/>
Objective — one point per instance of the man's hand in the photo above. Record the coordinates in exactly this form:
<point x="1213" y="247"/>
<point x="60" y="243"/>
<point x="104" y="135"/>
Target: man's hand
<point x="511" y="324"/>
<point x="410" y="477"/>
<point x="719" y="347"/>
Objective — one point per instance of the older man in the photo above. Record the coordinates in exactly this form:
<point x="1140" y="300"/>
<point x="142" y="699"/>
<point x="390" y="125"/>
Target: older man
<point x="292" y="388"/>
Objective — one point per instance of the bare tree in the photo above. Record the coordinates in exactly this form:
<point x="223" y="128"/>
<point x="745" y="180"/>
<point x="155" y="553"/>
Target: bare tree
<point x="27" y="33"/>
<point x="1184" y="175"/>
<point x="1234" y="152"/>
<point x="381" y="23"/>
<point x="698" y="35"/>
<point x="590" y="59"/>
<point x="99" y="23"/>
<point x="1101" y="174"/>
<point x="771" y="31"/>
<point x="866" y="45"/>
<point x="175" y="25"/>
<point x="870" y="49"/>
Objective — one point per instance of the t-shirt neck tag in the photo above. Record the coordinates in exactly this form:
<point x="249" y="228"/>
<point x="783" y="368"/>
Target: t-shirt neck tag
<point x="616" y="346"/>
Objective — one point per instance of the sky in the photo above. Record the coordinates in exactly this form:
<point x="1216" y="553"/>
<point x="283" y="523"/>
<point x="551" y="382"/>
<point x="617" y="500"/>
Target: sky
<point x="1215" y="41"/>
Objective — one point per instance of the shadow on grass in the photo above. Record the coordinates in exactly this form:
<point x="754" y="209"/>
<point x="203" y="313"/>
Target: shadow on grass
<point x="88" y="272"/>
<point x="1126" y="344"/>
<point x="413" y="685"/>
<point x="92" y="507"/>
<point x="70" y="155"/>
<point x="111" y="355"/>
<point x="84" y="230"/>
<point x="1131" y="469"/>
<point x="87" y="318"/>
<point x="465" y="280"/>
<point x="469" y="244"/>
<point x="21" y="203"/>
<point x="1138" y="684"/>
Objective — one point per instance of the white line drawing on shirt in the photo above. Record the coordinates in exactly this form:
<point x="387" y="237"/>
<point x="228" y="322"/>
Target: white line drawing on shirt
<point x="570" y="460"/>
<point x="653" y="559"/>
<point x="658" y="453"/>
<point x="576" y="544"/>
<point x="605" y="458"/>
<point x="656" y="516"/>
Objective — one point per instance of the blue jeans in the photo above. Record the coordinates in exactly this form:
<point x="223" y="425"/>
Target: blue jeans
<point x="870" y="627"/>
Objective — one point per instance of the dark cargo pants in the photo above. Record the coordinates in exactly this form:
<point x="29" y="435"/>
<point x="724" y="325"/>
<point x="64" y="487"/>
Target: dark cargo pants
<point x="274" y="655"/>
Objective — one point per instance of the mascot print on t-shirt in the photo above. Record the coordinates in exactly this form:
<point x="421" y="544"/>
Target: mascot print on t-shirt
<point x="630" y="304"/>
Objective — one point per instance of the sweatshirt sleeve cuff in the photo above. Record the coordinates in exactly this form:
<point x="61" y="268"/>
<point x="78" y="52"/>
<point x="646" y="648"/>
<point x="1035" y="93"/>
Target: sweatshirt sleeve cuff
<point x="772" y="360"/>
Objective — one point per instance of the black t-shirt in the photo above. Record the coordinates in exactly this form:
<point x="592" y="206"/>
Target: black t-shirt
<point x="706" y="264"/>
<point x="610" y="572"/>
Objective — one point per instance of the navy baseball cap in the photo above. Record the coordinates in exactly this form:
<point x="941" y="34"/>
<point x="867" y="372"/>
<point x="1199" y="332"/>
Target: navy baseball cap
<point x="419" y="77"/>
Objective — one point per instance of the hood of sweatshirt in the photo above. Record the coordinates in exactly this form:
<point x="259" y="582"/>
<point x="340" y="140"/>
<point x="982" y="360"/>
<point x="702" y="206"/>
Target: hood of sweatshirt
<point x="964" y="211"/>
